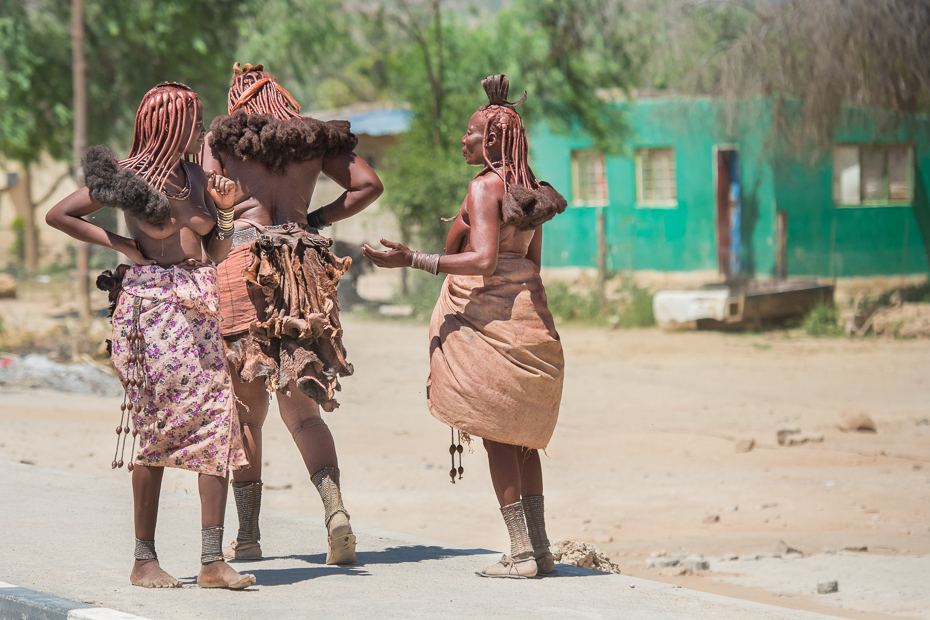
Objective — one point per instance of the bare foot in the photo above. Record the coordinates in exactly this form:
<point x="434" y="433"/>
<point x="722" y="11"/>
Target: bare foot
<point x="222" y="575"/>
<point x="148" y="574"/>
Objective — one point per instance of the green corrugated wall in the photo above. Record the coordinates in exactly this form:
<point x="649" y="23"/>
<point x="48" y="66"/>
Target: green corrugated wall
<point x="864" y="240"/>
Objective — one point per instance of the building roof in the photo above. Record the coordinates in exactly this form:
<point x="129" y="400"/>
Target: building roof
<point x="373" y="119"/>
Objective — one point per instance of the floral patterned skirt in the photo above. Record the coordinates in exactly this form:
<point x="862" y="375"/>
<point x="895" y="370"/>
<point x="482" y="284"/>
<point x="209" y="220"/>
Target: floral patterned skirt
<point x="186" y="416"/>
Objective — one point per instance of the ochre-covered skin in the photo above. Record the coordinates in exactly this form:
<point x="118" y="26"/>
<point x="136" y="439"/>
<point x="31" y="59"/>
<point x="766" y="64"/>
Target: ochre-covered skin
<point x="496" y="363"/>
<point x="278" y="293"/>
<point x="275" y="156"/>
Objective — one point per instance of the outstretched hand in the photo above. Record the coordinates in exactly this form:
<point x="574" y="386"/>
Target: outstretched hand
<point x="398" y="255"/>
<point x="221" y="190"/>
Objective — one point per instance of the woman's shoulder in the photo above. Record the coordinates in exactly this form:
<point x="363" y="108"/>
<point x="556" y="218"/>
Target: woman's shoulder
<point x="195" y="171"/>
<point x="487" y="183"/>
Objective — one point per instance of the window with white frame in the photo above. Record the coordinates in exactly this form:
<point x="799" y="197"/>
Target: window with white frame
<point x="656" y="184"/>
<point x="589" y="179"/>
<point x="873" y="175"/>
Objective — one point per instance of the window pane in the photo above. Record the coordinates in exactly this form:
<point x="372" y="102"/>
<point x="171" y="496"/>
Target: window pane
<point x="873" y="173"/>
<point x="656" y="176"/>
<point x="846" y="175"/>
<point x="899" y="173"/>
<point x="589" y="178"/>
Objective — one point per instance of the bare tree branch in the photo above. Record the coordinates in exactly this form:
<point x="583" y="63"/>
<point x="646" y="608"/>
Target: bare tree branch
<point x="52" y="189"/>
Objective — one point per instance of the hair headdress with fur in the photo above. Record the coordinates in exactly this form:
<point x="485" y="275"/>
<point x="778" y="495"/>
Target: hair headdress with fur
<point x="264" y="124"/>
<point x="527" y="202"/>
<point x="165" y="122"/>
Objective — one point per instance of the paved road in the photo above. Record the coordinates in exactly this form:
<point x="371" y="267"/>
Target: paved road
<point x="70" y="536"/>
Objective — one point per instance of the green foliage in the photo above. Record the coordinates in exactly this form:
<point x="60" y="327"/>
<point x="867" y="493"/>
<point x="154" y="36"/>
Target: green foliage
<point x="630" y="306"/>
<point x="563" y="52"/>
<point x="915" y="293"/>
<point x="129" y="47"/>
<point x="571" y="306"/>
<point x="35" y="85"/>
<point x="421" y="295"/>
<point x="823" y="320"/>
<point x="566" y="53"/>
<point x="635" y="306"/>
<point x="423" y="184"/>
<point x="311" y="47"/>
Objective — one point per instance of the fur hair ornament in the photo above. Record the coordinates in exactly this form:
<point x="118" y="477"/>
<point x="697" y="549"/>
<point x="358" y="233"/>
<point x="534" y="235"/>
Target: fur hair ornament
<point x="117" y="187"/>
<point x="276" y="143"/>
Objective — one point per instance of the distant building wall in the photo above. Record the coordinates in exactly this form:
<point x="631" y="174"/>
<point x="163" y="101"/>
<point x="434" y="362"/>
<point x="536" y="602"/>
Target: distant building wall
<point x="827" y="238"/>
<point x="823" y="238"/>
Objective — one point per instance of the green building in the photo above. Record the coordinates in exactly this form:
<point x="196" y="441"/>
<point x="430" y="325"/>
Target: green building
<point x="695" y="191"/>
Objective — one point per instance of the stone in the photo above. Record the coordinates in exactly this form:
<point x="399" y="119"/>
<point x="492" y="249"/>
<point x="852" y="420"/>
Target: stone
<point x="654" y="563"/>
<point x="661" y="553"/>
<point x="745" y="445"/>
<point x="678" y="571"/>
<point x="603" y="539"/>
<point x="826" y="587"/>
<point x="752" y="557"/>
<point x="729" y="557"/>
<point x="696" y="565"/>
<point x="7" y="286"/>
<point x="786" y="431"/>
<point x="732" y="508"/>
<point x="852" y="421"/>
<point x="711" y="519"/>
<point x="583" y="555"/>
<point x="784" y="548"/>
<point x="856" y="548"/>
<point x="663" y="562"/>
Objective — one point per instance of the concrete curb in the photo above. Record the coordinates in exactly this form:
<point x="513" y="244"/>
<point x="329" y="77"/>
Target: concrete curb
<point x="24" y="604"/>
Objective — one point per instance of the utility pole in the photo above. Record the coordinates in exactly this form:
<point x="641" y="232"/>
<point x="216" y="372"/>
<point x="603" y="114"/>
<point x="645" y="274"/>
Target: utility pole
<point x="79" y="78"/>
<point x="601" y="259"/>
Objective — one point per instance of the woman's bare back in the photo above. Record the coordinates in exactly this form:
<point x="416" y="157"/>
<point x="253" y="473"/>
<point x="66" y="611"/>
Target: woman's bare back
<point x="268" y="198"/>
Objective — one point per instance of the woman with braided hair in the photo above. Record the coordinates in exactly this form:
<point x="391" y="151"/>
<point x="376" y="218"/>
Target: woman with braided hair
<point x="278" y="286"/>
<point x="166" y="343"/>
<point x="496" y="364"/>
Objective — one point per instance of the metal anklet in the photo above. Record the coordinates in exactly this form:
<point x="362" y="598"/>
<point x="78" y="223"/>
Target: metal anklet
<point x="145" y="550"/>
<point x="212" y="544"/>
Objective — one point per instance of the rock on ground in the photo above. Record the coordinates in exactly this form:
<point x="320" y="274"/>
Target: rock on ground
<point x="7" y="286"/>
<point x="851" y="420"/>
<point x="582" y="555"/>
<point x="35" y="371"/>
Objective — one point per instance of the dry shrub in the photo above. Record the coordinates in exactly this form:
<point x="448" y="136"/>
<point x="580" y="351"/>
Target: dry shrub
<point x="68" y="341"/>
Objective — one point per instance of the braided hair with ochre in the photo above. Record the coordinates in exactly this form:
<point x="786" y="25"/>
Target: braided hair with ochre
<point x="258" y="92"/>
<point x="165" y="121"/>
<point x="527" y="202"/>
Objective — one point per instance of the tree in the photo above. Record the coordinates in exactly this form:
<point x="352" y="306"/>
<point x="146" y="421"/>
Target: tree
<point x="827" y="55"/>
<point x="566" y="53"/>
<point x="133" y="46"/>
<point x="35" y="115"/>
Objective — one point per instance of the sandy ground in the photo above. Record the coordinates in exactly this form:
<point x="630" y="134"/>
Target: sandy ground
<point x="643" y="454"/>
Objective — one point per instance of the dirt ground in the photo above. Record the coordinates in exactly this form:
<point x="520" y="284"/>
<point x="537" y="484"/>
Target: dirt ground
<point x="643" y="454"/>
